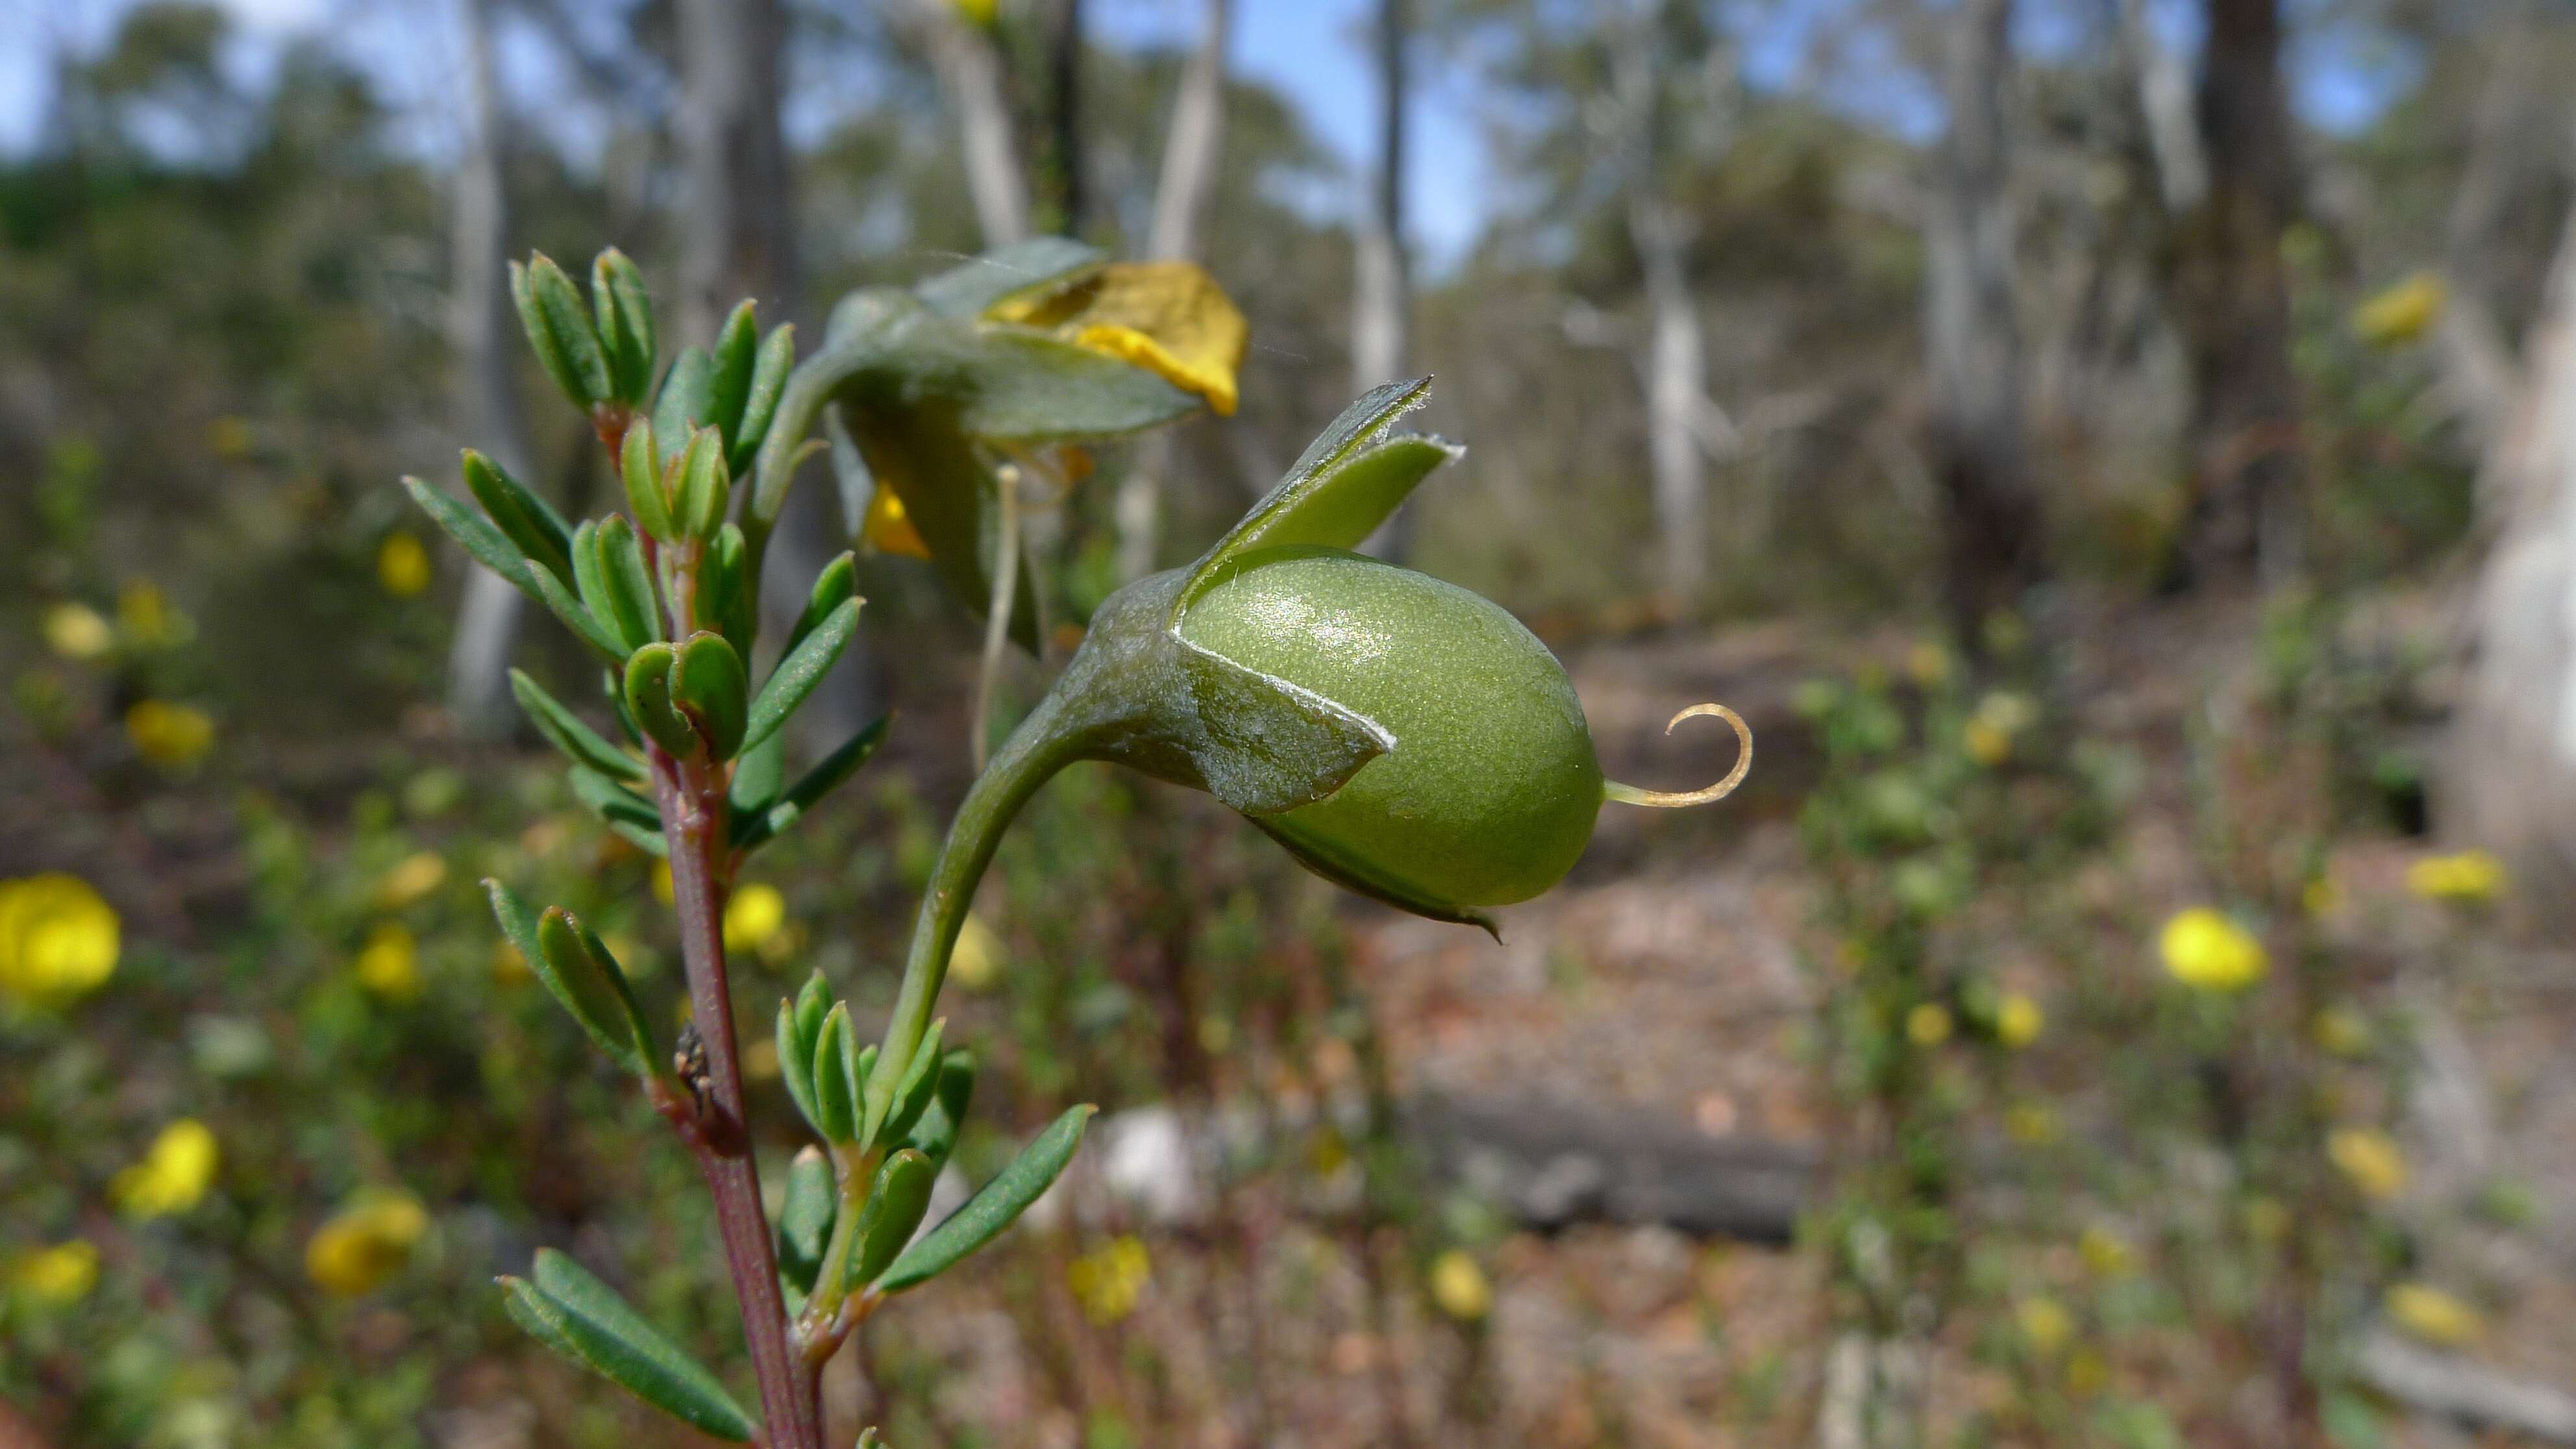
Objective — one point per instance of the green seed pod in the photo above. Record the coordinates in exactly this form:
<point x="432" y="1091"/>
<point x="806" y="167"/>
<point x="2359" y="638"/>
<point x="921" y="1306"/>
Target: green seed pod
<point x="1399" y="735"/>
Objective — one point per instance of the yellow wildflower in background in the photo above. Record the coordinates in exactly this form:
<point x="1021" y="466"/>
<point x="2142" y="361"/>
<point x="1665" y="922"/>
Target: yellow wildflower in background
<point x="402" y="564"/>
<point x="979" y="12"/>
<point x="978" y="957"/>
<point x="389" y="964"/>
<point x="663" y="890"/>
<point x="2205" y="950"/>
<point x="2045" y="1325"/>
<point x="173" y="1175"/>
<point x="2018" y="1020"/>
<point x="2371" y="1158"/>
<point x="509" y="968"/>
<point x="2471" y="877"/>
<point x="1459" y="1288"/>
<point x="2342" y="1031"/>
<point x="2433" y="1315"/>
<point x="410" y="881"/>
<point x="1108" y="1280"/>
<point x="145" y="617"/>
<point x="2105" y="1253"/>
<point x="229" y="437"/>
<point x="2030" y="1124"/>
<point x="1170" y="318"/>
<point x="2000" y="717"/>
<point x="888" y="529"/>
<point x="2401" y="313"/>
<point x="77" y="631"/>
<point x="365" y="1243"/>
<point x="59" y="1276"/>
<point x="58" y="939"/>
<point x="173" y="736"/>
<point x="1928" y="1025"/>
<point x="1927" y="663"/>
<point x="754" y="917"/>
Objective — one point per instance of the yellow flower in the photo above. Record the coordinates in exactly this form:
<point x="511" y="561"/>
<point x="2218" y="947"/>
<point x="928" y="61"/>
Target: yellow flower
<point x="978" y="957"/>
<point x="754" y="917"/>
<point x="888" y="529"/>
<point x="1984" y="743"/>
<point x="2433" y="1315"/>
<point x="2342" y="1031"/>
<point x="509" y="968"/>
<point x="1458" y="1286"/>
<point x="389" y="964"/>
<point x="173" y="1175"/>
<point x="2018" y="1020"/>
<point x="2030" y="1124"/>
<point x="228" y="437"/>
<point x="2472" y="877"/>
<point x="1928" y="1025"/>
<point x="2401" y="313"/>
<point x="979" y="12"/>
<point x="365" y="1243"/>
<point x="2045" y="1325"/>
<point x="2208" y="952"/>
<point x="59" y="1276"/>
<point x="410" y="881"/>
<point x="58" y="939"/>
<point x="77" y="631"/>
<point x="1170" y="318"/>
<point x="662" y="888"/>
<point x="2105" y="1253"/>
<point x="2369" y="1157"/>
<point x="173" y="736"/>
<point x="1928" y="663"/>
<point x="2087" y="1373"/>
<point x="402" y="565"/>
<point x="1108" y="1280"/>
<point x="147" y="620"/>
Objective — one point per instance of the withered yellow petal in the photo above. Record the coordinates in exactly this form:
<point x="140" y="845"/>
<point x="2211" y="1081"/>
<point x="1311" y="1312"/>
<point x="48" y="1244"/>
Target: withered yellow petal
<point x="1170" y="318"/>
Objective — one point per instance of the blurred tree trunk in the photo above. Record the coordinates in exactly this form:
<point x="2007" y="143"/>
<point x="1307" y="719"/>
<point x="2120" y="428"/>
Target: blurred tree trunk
<point x="738" y="240"/>
<point x="1381" y="278"/>
<point x="480" y="335"/>
<point x="2164" y="100"/>
<point x="2510" y="777"/>
<point x="1676" y="371"/>
<point x="1190" y="151"/>
<point x="970" y="77"/>
<point x="1993" y="548"/>
<point x="1065" y="172"/>
<point x="2477" y="362"/>
<point x="2235" y="310"/>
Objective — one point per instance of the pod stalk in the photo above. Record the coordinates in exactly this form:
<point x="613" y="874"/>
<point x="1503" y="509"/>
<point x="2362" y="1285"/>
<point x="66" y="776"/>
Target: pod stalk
<point x="1679" y="799"/>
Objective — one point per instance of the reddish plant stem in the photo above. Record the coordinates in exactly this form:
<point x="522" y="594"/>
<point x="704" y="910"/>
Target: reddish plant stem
<point x="693" y="822"/>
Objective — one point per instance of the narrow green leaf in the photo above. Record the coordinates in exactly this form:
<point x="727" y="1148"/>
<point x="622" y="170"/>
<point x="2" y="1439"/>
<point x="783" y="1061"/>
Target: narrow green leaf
<point x="682" y="406"/>
<point x="565" y="731"/>
<point x="795" y="1068"/>
<point x="753" y="829"/>
<point x="472" y="531"/>
<point x="999" y="1205"/>
<point x="798" y="673"/>
<point x="813" y="1004"/>
<point x="896" y="1201"/>
<point x="705" y="489"/>
<point x="643" y="838"/>
<point x="615" y="803"/>
<point x="757" y="777"/>
<point x="935" y="1134"/>
<point x="640" y="468"/>
<point x="835" y="1083"/>
<point x="707" y="684"/>
<point x="541" y="1316"/>
<point x="622" y="310"/>
<point x="578" y="969"/>
<point x="730" y="364"/>
<point x="648" y="694"/>
<point x="559" y="327"/>
<point x="913" y="1093"/>
<point x="558" y="599"/>
<point x="768" y="380"/>
<point x="727" y="596"/>
<point x="611" y="1337"/>
<point x="529" y="521"/>
<point x="615" y="585"/>
<point x="805" y="1219"/>
<point x="836" y="585"/>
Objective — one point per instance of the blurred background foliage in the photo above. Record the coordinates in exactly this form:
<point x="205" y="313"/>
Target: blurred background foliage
<point x="2161" y="1055"/>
